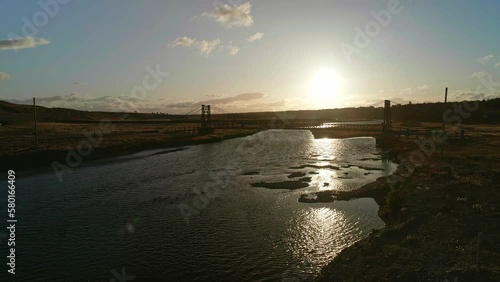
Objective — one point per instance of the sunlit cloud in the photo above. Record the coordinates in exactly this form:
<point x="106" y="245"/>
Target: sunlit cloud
<point x="232" y="16"/>
<point x="184" y="41"/>
<point x="497" y="65"/>
<point x="22" y="42"/>
<point x="4" y="76"/>
<point x="255" y="37"/>
<point x="205" y="47"/>
<point x="485" y="59"/>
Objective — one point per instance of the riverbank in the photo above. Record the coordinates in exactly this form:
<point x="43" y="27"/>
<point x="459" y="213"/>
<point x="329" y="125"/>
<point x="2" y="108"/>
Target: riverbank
<point x="96" y="143"/>
<point x="433" y="216"/>
<point x="18" y="144"/>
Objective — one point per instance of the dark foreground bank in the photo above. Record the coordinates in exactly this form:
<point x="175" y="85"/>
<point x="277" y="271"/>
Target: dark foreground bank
<point x="436" y="211"/>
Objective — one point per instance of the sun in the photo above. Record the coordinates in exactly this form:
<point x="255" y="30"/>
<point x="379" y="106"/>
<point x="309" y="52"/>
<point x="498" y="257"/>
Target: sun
<point x="325" y="84"/>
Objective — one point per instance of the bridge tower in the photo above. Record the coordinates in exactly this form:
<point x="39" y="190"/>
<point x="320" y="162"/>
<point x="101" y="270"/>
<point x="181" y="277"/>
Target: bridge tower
<point x="387" y="125"/>
<point x="206" y="120"/>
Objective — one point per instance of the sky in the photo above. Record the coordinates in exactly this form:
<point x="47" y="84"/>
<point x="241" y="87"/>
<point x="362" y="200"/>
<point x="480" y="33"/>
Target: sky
<point x="243" y="56"/>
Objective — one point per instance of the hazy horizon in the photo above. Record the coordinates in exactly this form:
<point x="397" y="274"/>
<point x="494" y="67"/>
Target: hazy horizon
<point x="246" y="56"/>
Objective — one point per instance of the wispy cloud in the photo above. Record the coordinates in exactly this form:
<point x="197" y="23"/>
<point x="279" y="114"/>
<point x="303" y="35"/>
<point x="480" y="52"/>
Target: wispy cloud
<point x="407" y="91"/>
<point x="467" y="94"/>
<point x="255" y="37"/>
<point x="485" y="59"/>
<point x="22" y="42"/>
<point x="205" y="47"/>
<point x="423" y="87"/>
<point x="410" y="91"/>
<point x="184" y="41"/>
<point x="4" y="76"/>
<point x="233" y="50"/>
<point x="232" y="16"/>
<point x="80" y="83"/>
<point x="213" y="96"/>
<point x="479" y="74"/>
<point x="497" y="65"/>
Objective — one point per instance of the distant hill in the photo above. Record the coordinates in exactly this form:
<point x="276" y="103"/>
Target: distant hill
<point x="487" y="112"/>
<point x="15" y="113"/>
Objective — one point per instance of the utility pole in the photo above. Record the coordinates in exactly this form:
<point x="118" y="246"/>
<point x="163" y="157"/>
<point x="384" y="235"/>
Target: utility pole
<point x="445" y="100"/>
<point x="34" y="117"/>
<point x="387" y="125"/>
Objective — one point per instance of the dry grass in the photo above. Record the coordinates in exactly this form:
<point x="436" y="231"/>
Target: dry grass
<point x="432" y="235"/>
<point x="20" y="139"/>
<point x="18" y="149"/>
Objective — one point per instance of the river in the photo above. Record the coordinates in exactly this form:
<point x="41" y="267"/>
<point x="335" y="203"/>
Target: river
<point x="192" y="215"/>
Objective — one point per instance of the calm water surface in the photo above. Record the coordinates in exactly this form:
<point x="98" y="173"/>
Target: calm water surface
<point x="126" y="213"/>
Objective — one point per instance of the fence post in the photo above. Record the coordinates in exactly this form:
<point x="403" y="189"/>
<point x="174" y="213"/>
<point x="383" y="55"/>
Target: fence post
<point x="445" y="100"/>
<point x="34" y="117"/>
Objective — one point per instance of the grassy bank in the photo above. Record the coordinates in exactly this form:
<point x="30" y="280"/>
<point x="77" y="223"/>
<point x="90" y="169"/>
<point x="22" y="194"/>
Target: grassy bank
<point x="433" y="216"/>
<point x="18" y="149"/>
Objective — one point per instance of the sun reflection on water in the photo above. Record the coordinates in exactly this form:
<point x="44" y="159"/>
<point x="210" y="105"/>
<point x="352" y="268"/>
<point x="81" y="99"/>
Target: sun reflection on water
<point x="319" y="232"/>
<point x="316" y="233"/>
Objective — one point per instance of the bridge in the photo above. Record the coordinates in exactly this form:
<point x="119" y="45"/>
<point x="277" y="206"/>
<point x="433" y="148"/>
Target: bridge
<point x="207" y="124"/>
